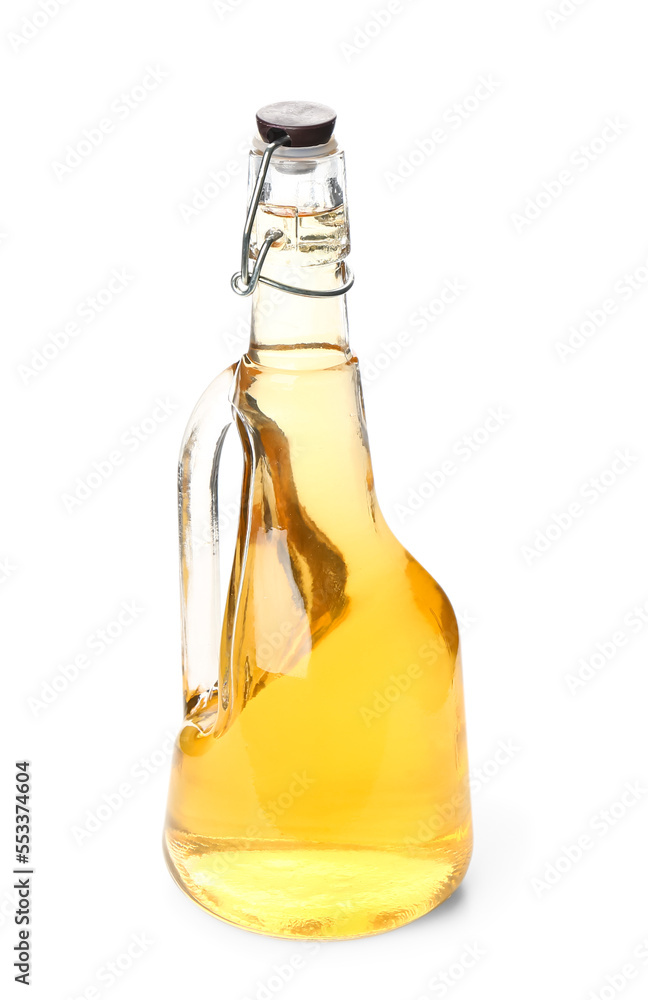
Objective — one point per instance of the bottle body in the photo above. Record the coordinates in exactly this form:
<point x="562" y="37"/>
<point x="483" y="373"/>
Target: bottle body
<point x="319" y="786"/>
<point x="331" y="800"/>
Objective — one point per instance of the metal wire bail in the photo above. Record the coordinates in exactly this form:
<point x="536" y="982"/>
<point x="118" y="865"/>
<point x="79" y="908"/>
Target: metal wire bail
<point x="245" y="281"/>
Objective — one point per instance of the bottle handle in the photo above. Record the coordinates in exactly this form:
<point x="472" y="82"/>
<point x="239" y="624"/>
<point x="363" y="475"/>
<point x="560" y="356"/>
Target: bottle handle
<point x="200" y="584"/>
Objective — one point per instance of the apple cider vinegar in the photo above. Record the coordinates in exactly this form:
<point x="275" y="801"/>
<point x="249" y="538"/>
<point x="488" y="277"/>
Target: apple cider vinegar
<point x="319" y="787"/>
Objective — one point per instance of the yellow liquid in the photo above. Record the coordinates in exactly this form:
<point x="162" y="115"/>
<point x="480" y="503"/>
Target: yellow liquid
<point x="322" y="792"/>
<point x="315" y="237"/>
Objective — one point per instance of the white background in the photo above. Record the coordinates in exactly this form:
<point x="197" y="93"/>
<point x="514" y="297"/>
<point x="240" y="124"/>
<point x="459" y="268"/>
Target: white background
<point x="531" y="618"/>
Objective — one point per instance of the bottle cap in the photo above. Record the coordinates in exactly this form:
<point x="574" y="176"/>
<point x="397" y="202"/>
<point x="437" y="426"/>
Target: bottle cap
<point x="305" y="123"/>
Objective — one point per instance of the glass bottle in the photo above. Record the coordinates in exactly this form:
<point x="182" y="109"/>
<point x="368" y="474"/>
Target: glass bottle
<point x="319" y="786"/>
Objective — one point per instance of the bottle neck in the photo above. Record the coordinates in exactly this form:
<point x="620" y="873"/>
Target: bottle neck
<point x="304" y="199"/>
<point x="295" y="331"/>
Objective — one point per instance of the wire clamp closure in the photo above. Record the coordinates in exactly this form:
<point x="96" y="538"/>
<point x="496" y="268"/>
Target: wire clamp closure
<point x="245" y="281"/>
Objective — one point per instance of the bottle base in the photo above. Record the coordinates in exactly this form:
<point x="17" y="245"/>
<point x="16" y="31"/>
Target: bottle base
<point x="316" y="893"/>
